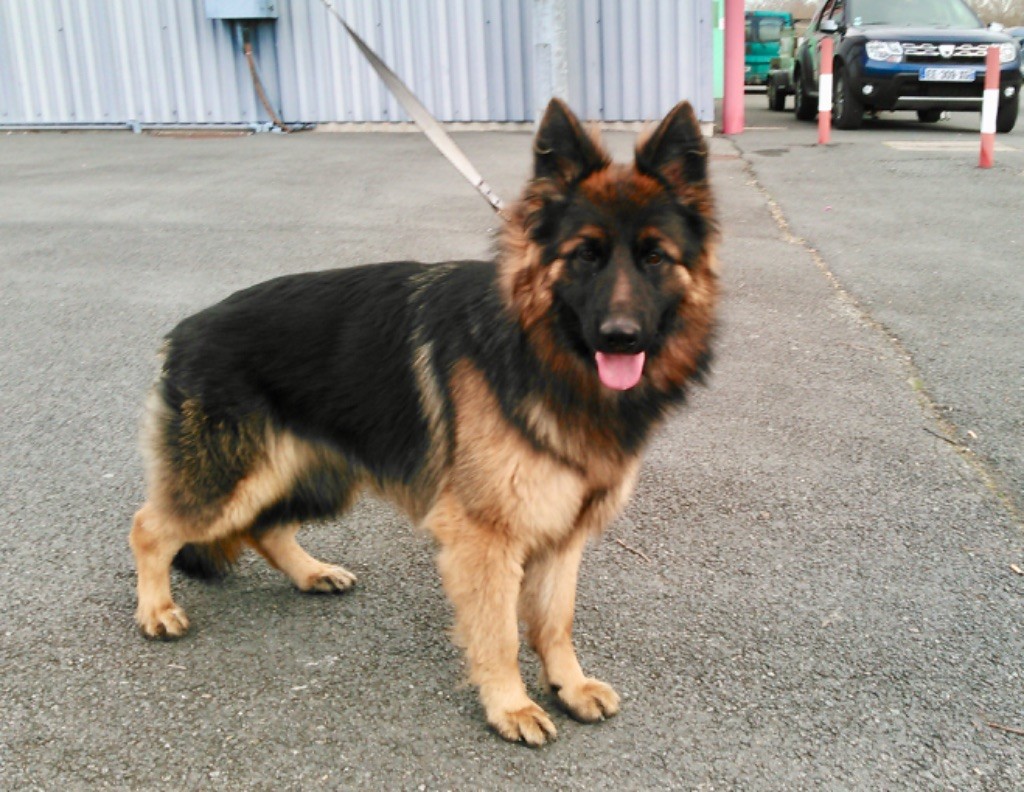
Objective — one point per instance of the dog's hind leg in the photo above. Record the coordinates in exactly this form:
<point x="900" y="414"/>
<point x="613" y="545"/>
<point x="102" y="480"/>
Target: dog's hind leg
<point x="281" y="548"/>
<point x="547" y="605"/>
<point x="155" y="540"/>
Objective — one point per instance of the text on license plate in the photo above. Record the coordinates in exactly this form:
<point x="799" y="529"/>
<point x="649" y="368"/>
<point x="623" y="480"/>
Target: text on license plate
<point x="938" y="74"/>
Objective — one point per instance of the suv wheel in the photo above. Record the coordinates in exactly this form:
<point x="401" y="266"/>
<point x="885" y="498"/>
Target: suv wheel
<point x="802" y="104"/>
<point x="1006" y="116"/>
<point x="847" y="109"/>
<point x="929" y="116"/>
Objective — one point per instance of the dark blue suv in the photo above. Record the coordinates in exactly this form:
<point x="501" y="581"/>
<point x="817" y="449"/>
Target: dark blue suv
<point x="923" y="55"/>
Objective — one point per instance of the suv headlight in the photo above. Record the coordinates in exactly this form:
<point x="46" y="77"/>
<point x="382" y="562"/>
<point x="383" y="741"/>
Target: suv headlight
<point x="1007" y="52"/>
<point x="886" y="51"/>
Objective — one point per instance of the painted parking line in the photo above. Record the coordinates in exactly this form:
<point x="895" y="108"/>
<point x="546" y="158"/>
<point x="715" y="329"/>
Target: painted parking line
<point x="941" y="145"/>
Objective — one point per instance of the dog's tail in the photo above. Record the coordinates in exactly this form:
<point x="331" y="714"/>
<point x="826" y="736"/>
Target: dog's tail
<point x="209" y="561"/>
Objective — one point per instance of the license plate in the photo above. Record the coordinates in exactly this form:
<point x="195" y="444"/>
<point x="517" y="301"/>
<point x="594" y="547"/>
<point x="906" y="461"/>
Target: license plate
<point x="937" y="74"/>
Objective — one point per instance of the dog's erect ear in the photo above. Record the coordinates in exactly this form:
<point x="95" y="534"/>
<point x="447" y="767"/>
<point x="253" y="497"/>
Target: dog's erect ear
<point x="675" y="151"/>
<point x="563" y="150"/>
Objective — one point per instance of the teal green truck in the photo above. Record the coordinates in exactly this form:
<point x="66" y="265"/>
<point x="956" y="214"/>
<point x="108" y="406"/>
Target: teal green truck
<point x="764" y="32"/>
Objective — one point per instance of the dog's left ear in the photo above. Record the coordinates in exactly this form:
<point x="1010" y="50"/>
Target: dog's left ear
<point x="675" y="152"/>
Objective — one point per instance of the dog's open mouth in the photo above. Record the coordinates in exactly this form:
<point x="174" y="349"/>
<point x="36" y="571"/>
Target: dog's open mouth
<point x="620" y="372"/>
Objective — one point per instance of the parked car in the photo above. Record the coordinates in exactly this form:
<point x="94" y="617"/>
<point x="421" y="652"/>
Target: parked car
<point x="923" y="55"/>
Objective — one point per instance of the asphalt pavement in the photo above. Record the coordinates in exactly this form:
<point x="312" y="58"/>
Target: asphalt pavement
<point x="818" y="584"/>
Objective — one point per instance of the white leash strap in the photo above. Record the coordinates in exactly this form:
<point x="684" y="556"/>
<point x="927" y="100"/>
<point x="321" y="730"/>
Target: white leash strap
<point x="431" y="128"/>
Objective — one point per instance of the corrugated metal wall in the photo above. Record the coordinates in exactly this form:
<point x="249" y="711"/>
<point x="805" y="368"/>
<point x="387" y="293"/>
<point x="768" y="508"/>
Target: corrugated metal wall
<point x="467" y="60"/>
<point x="161" y="62"/>
<point x="632" y="60"/>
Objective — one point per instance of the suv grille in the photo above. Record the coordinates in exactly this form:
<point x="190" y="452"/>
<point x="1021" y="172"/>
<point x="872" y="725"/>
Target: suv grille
<point x="961" y="53"/>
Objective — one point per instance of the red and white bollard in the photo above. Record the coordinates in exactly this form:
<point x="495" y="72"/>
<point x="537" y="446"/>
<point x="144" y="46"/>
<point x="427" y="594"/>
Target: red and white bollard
<point x="989" y="108"/>
<point x="732" y="100"/>
<point x="825" y="92"/>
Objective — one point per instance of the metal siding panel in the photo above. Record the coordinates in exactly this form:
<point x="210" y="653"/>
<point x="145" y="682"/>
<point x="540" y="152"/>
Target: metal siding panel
<point x="611" y="67"/>
<point x="594" y="108"/>
<point x="380" y="43"/>
<point x="369" y="108"/>
<point x="267" y="67"/>
<point x="460" y="61"/>
<point x="513" y="63"/>
<point x="221" y="46"/>
<point x="207" y="71"/>
<point x="417" y="75"/>
<point x="340" y="102"/>
<point x="476" y="23"/>
<point x="77" y="109"/>
<point x="155" y="56"/>
<point x="293" y="81"/>
<point x="689" y="56"/>
<point x="179" y="99"/>
<point x="671" y="58"/>
<point x="308" y="51"/>
<point x="56" y="46"/>
<point x="192" y="107"/>
<point x="667" y="46"/>
<point x="704" y="97"/>
<point x="574" y="58"/>
<point x="629" y="59"/>
<point x="93" y="93"/>
<point x="20" y="88"/>
<point x="44" y="109"/>
<point x="151" y="94"/>
<point x="130" y="110"/>
<point x="495" y="59"/>
<point x="163" y="62"/>
<point x="526" y="43"/>
<point x="8" y="100"/>
<point x="358" y="80"/>
<point x="391" y="51"/>
<point x="445" y="106"/>
<point x="650" y="75"/>
<point x="402" y="32"/>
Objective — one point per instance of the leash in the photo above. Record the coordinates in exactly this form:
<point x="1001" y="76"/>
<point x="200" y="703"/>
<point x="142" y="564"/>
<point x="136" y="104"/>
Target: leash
<point x="424" y="120"/>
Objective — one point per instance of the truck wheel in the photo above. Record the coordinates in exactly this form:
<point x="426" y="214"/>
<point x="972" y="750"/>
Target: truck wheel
<point x="847" y="109"/>
<point x="1006" y="116"/>
<point x="802" y="103"/>
<point x="776" y="98"/>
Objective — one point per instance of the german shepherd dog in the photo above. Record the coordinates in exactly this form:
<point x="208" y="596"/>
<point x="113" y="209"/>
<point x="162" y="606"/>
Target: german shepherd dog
<point x="502" y="404"/>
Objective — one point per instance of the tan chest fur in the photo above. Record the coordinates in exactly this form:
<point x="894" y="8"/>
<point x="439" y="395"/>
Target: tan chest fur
<point x="540" y="497"/>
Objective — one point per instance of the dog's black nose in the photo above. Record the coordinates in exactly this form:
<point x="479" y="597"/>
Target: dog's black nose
<point x="620" y="334"/>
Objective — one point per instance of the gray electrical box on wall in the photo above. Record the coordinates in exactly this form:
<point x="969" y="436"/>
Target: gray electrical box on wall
<point x="241" y="9"/>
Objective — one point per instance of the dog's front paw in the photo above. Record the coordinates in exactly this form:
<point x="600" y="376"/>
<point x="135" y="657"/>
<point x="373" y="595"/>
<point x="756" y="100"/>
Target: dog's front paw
<point x="529" y="724"/>
<point x="166" y="622"/>
<point x="589" y="701"/>
<point x="329" y="579"/>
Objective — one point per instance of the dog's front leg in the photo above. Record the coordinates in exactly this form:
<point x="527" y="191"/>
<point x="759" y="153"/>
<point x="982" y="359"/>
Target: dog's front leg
<point x="547" y="605"/>
<point x="482" y="572"/>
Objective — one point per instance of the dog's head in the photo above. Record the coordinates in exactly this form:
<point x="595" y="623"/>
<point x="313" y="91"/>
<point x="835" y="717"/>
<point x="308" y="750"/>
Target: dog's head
<point x="610" y="267"/>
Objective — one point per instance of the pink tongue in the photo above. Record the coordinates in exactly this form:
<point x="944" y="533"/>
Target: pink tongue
<point x="620" y="372"/>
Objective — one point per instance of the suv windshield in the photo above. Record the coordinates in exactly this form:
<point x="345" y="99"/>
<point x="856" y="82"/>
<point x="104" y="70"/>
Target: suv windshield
<point x="908" y="13"/>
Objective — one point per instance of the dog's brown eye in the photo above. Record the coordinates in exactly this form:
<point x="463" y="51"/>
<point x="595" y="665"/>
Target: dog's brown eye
<point x="586" y="254"/>
<point x="654" y="257"/>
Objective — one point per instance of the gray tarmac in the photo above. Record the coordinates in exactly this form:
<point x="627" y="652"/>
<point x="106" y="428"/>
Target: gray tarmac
<point x="810" y="590"/>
